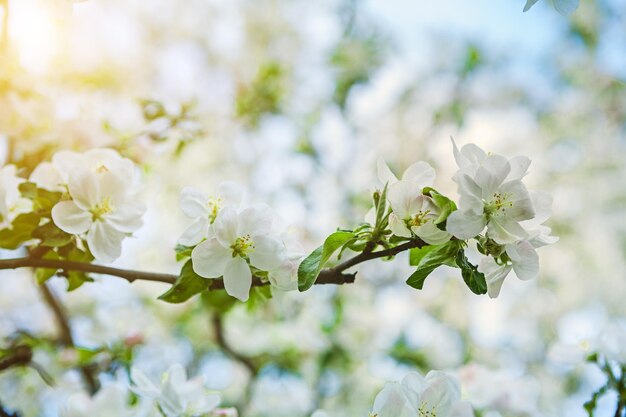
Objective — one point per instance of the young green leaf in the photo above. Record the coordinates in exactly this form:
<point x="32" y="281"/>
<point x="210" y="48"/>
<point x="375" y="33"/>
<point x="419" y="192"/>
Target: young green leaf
<point x="474" y="279"/>
<point x="50" y="235"/>
<point x="431" y="259"/>
<point x="20" y="231"/>
<point x="186" y="286"/>
<point x="43" y="274"/>
<point x="446" y="206"/>
<point x="311" y="266"/>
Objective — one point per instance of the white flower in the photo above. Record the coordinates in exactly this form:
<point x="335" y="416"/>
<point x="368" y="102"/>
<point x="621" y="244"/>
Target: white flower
<point x="492" y="195"/>
<point x="55" y="175"/>
<point x="204" y="209"/>
<point x="414" y="213"/>
<point x="613" y="341"/>
<point x="100" y="207"/>
<point x="176" y="396"/>
<point x="110" y="401"/>
<point x="437" y="395"/>
<point x="11" y="201"/>
<point x="285" y="276"/>
<point x="239" y="240"/>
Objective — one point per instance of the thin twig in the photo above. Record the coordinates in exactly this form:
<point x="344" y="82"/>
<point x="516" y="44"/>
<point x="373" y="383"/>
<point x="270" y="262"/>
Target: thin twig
<point x="218" y="328"/>
<point x="66" y="337"/>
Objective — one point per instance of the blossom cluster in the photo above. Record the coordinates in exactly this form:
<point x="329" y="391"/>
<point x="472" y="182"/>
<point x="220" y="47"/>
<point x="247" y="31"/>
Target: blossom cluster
<point x="236" y="243"/>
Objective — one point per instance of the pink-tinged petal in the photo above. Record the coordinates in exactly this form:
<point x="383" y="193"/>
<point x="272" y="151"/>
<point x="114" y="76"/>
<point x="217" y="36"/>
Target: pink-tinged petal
<point x="385" y="175"/>
<point x="84" y="188"/>
<point x="194" y="203"/>
<point x="398" y="227"/>
<point x="70" y="218"/>
<point x="525" y="260"/>
<point x="126" y="218"/>
<point x="465" y="224"/>
<point x="194" y="234"/>
<point x="420" y="174"/>
<point x="209" y="258"/>
<point x="226" y="226"/>
<point x="105" y="242"/>
<point x="230" y="193"/>
<point x="268" y="252"/>
<point x="238" y="278"/>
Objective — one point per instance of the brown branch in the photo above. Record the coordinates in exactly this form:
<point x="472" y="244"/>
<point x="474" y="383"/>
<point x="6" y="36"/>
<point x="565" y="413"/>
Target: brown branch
<point x="65" y="330"/>
<point x="334" y="275"/>
<point x="20" y="355"/>
<point x="220" y="339"/>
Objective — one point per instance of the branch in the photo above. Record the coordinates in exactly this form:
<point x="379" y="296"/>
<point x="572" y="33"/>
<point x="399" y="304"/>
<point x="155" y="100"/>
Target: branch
<point x="66" y="338"/>
<point x="218" y="327"/>
<point x="334" y="275"/>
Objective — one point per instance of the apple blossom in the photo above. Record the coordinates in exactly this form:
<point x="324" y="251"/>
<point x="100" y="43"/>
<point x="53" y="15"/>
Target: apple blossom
<point x="240" y="240"/>
<point x="492" y="195"/>
<point x="204" y="209"/>
<point x="110" y="401"/>
<point x="11" y="202"/>
<point x="100" y="208"/>
<point x="176" y="396"/>
<point x="436" y="395"/>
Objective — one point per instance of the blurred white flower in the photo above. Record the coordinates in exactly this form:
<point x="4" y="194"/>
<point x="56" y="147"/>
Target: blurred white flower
<point x="101" y="208"/>
<point x="240" y="240"/>
<point x="523" y="260"/>
<point x="612" y="342"/>
<point x="203" y="209"/>
<point x="176" y="396"/>
<point x="109" y="401"/>
<point x="11" y="201"/>
<point x="438" y="394"/>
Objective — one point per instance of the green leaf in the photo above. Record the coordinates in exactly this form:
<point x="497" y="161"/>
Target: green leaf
<point x="43" y="200"/>
<point x="186" y="286"/>
<point x="381" y="209"/>
<point x="258" y="297"/>
<point x="183" y="252"/>
<point x="76" y="279"/>
<point x="218" y="301"/>
<point x="20" y="231"/>
<point x="43" y="274"/>
<point x="474" y="279"/>
<point x="446" y="206"/>
<point x="430" y="260"/>
<point x="51" y="235"/>
<point x="311" y="266"/>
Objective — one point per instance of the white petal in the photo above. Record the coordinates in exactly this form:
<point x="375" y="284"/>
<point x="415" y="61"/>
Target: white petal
<point x="268" y="252"/>
<point x="385" y="175"/>
<point x="504" y="230"/>
<point x="143" y="385"/>
<point x="442" y="392"/>
<point x="238" y="278"/>
<point x="542" y="204"/>
<point x="226" y="226"/>
<point x="205" y="404"/>
<point x="420" y="174"/>
<point x="431" y="234"/>
<point x="47" y="176"/>
<point x="406" y="198"/>
<point x="193" y="203"/>
<point x="414" y="384"/>
<point x="70" y="218"/>
<point x="84" y="188"/>
<point x="66" y="162"/>
<point x="194" y="234"/>
<point x="494" y="275"/>
<point x="391" y="402"/>
<point x="522" y="204"/>
<point x="285" y="277"/>
<point x="209" y="258"/>
<point x="105" y="242"/>
<point x="177" y="375"/>
<point x="525" y="260"/>
<point x="492" y="173"/>
<point x="465" y="224"/>
<point x="370" y="216"/>
<point x="112" y="187"/>
<point x="519" y="167"/>
<point x="230" y="193"/>
<point x="77" y="405"/>
<point x="126" y="218"/>
<point x="255" y="220"/>
<point x="398" y="227"/>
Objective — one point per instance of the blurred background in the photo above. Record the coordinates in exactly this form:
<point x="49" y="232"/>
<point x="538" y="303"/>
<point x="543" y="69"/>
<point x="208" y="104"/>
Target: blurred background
<point x="296" y="100"/>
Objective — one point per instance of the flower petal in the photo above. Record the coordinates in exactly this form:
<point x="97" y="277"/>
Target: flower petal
<point x="519" y="167"/>
<point x="105" y="242"/>
<point x="391" y="402"/>
<point x="194" y="234"/>
<point x="398" y="227"/>
<point x="525" y="260"/>
<point x="230" y="193"/>
<point x="126" y="218"/>
<point x="84" y="188"/>
<point x="70" y="218"/>
<point x="209" y="258"/>
<point x="465" y="224"/>
<point x="385" y="176"/>
<point x="268" y="252"/>
<point x="431" y="234"/>
<point x="491" y="174"/>
<point x="226" y="226"/>
<point x="238" y="278"/>
<point x="143" y="385"/>
<point x="255" y="220"/>
<point x="504" y="230"/>
<point x="420" y="174"/>
<point x="193" y="203"/>
<point x="494" y="275"/>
